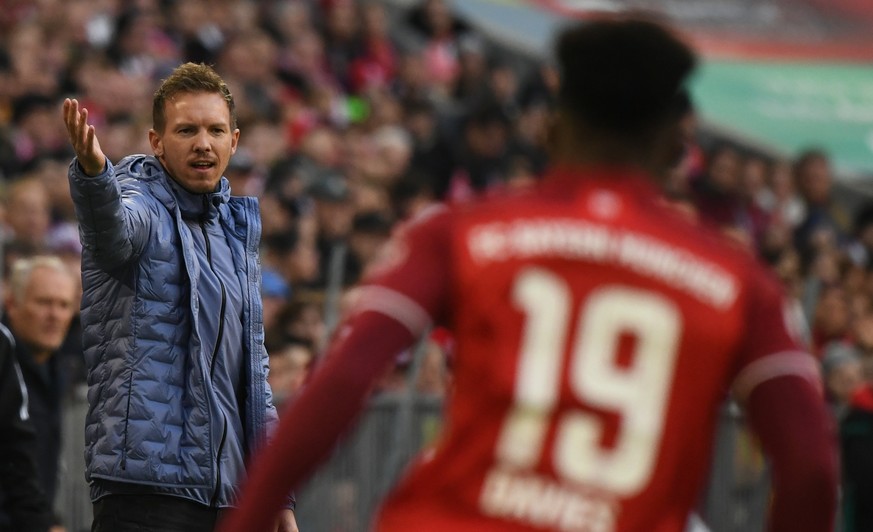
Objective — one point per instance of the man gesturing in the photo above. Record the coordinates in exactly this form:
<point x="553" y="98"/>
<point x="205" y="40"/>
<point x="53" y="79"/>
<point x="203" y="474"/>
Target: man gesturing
<point x="171" y="314"/>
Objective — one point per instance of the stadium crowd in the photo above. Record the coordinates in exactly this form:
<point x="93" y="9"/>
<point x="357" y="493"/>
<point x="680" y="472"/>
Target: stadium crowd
<point x="355" y="116"/>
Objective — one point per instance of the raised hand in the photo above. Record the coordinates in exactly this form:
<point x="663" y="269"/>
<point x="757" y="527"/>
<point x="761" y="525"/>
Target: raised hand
<point x="83" y="138"/>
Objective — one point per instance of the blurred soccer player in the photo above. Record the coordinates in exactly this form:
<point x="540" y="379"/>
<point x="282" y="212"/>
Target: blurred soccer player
<point x="597" y="334"/>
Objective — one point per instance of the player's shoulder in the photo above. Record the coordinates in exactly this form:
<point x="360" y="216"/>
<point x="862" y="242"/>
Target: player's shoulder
<point x="442" y="216"/>
<point x="737" y="258"/>
<point x="707" y="240"/>
<point x="502" y="206"/>
<point x="435" y="217"/>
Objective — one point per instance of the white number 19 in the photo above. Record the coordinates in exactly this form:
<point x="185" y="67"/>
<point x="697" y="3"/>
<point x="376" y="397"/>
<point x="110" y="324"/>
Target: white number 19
<point x="638" y="392"/>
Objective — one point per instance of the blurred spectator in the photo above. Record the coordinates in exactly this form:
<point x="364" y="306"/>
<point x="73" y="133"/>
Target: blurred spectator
<point x="254" y="83"/>
<point x="303" y="318"/>
<point x="414" y="79"/>
<point x="391" y="149"/>
<point x="35" y="60"/>
<point x="243" y="175"/>
<point x="752" y="216"/>
<point x="342" y="38"/>
<point x="323" y="147"/>
<point x="35" y="133"/>
<point x="827" y="223"/>
<point x="433" y="377"/>
<point x="841" y="368"/>
<point x="412" y="194"/>
<point x="266" y="141"/>
<point x="503" y="88"/>
<point x="431" y="153"/>
<point x="831" y="320"/>
<point x="140" y="47"/>
<point x="716" y="193"/>
<point x="63" y="233"/>
<point x="472" y="85"/>
<point x="194" y="29"/>
<point x="482" y="154"/>
<point x="274" y="293"/>
<point x="780" y="197"/>
<point x="39" y="307"/>
<point x="287" y="19"/>
<point x="677" y="186"/>
<point x="863" y="338"/>
<point x="442" y="30"/>
<point x="304" y="65"/>
<point x="860" y="248"/>
<point x="293" y="257"/>
<point x="725" y="200"/>
<point x="753" y="183"/>
<point x="290" y="363"/>
<point x="28" y="214"/>
<point x="531" y="125"/>
<point x="334" y="212"/>
<point x="23" y="507"/>
<point x="856" y="435"/>
<point x="375" y="67"/>
<point x="541" y="86"/>
<point x="370" y="231"/>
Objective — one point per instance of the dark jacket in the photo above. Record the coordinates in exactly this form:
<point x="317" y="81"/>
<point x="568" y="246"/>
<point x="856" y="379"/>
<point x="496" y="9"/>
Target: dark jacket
<point x="154" y="418"/>
<point x="45" y="387"/>
<point x="22" y="505"/>
<point x="856" y="442"/>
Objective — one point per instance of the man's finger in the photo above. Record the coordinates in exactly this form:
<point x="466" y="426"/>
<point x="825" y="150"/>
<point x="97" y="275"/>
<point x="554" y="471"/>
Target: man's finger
<point x="89" y="140"/>
<point x="72" y="120"/>
<point x="73" y="116"/>
<point x="83" y="121"/>
<point x="69" y="111"/>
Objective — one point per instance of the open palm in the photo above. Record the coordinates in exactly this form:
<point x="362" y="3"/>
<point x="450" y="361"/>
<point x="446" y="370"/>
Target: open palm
<point x="83" y="138"/>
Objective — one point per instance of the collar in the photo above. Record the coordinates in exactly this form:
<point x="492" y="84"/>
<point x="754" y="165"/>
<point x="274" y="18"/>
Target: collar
<point x="616" y="177"/>
<point x="199" y="206"/>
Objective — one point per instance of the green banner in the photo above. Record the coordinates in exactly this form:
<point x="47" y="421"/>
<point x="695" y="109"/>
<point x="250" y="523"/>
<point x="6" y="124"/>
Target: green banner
<point x="791" y="106"/>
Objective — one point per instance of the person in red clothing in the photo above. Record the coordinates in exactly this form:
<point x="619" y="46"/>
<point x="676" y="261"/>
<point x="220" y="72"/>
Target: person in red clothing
<point x="597" y="332"/>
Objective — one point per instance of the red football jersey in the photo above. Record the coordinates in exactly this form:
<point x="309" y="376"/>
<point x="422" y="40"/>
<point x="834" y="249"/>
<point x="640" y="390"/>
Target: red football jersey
<point x="597" y="335"/>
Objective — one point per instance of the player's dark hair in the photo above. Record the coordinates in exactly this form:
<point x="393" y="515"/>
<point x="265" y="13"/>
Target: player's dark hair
<point x="190" y="78"/>
<point x="623" y="76"/>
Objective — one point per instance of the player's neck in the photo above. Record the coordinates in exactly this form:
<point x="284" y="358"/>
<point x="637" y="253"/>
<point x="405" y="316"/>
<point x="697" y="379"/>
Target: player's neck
<point x="600" y="155"/>
<point x="578" y="146"/>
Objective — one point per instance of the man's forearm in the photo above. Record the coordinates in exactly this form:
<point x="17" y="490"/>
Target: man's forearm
<point x="797" y="433"/>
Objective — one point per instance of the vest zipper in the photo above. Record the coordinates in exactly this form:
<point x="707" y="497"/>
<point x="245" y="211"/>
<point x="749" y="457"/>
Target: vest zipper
<point x="218" y="338"/>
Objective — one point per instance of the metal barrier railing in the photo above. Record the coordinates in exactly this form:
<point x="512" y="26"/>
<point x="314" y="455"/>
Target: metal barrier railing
<point x="343" y="495"/>
<point x="73" y="500"/>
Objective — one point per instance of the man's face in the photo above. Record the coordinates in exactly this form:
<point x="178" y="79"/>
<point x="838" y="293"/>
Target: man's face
<point x="42" y="316"/>
<point x="197" y="141"/>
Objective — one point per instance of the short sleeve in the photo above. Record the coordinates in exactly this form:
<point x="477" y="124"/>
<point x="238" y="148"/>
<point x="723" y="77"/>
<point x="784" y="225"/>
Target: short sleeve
<point x="410" y="279"/>
<point x="773" y="343"/>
